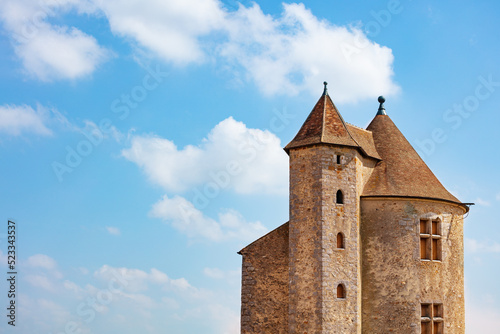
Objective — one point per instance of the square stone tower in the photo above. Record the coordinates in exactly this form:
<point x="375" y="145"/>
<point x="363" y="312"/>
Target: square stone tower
<point x="374" y="243"/>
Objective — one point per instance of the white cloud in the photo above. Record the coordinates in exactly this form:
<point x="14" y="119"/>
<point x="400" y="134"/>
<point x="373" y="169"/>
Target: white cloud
<point x="113" y="230"/>
<point x="274" y="52"/>
<point x="231" y="157"/>
<point x="136" y="280"/>
<point x="41" y="261"/>
<point x="171" y="29"/>
<point x="15" y="120"/>
<point x="288" y="54"/>
<point x="73" y="287"/>
<point x="121" y="299"/>
<point x="216" y="273"/>
<point x="475" y="246"/>
<point x="298" y="51"/>
<point x="90" y="129"/>
<point x="482" y="202"/>
<point x="61" y="53"/>
<point x="41" y="281"/>
<point x="51" y="52"/>
<point x="185" y="218"/>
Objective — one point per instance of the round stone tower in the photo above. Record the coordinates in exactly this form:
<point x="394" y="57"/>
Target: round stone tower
<point x="412" y="242"/>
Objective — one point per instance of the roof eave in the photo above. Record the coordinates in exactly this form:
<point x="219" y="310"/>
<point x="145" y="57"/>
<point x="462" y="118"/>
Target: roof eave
<point x="465" y="206"/>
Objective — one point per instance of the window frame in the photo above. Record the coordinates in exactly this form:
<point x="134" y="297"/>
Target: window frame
<point x="432" y="323"/>
<point x="430" y="242"/>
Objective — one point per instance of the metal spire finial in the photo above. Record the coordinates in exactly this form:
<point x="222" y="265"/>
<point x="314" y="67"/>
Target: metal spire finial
<point x="325" y="91"/>
<point x="381" y="108"/>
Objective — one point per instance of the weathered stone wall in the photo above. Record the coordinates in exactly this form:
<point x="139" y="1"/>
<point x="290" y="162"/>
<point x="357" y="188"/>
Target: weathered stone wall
<point x="264" y="291"/>
<point x="305" y="241"/>
<point x="395" y="280"/>
<point x="317" y="266"/>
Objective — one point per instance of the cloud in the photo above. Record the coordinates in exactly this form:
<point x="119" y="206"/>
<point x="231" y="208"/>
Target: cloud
<point x="482" y="202"/>
<point x="113" y="230"/>
<point x="231" y="157"/>
<point x="41" y="281"/>
<point x="185" y="218"/>
<point x="121" y="299"/>
<point x="298" y="51"/>
<point x="286" y="54"/>
<point x="136" y="280"/>
<point x="60" y="53"/>
<point x="214" y="273"/>
<point x="50" y="52"/>
<point x="273" y="52"/>
<point x="233" y="276"/>
<point x="41" y="261"/>
<point x="16" y="120"/>
<point x="171" y="29"/>
<point x="475" y="246"/>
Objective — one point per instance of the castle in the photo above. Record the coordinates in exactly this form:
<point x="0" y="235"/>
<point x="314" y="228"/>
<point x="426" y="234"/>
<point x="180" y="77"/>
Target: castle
<point x="374" y="242"/>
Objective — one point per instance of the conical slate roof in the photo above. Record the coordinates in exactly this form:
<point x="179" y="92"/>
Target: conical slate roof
<point x="401" y="173"/>
<point x="325" y="125"/>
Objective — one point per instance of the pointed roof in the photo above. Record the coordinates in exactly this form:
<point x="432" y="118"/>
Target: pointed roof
<point x="401" y="173"/>
<point x="325" y="125"/>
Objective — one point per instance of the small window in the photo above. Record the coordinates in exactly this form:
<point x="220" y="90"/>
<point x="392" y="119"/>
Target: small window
<point x="339" y="159"/>
<point x="431" y="318"/>
<point x="430" y="239"/>
<point x="426" y="310"/>
<point x="426" y="327"/>
<point x="340" y="291"/>
<point x="340" y="197"/>
<point x="437" y="310"/>
<point x="340" y="240"/>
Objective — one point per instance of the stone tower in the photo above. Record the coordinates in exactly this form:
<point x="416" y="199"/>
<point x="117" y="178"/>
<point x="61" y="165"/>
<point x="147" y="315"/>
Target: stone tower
<point x="374" y="243"/>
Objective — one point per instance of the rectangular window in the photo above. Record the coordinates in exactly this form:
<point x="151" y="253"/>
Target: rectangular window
<point x="423" y="227"/>
<point x="430" y="239"/>
<point x="426" y="328"/>
<point x="426" y="310"/>
<point x="423" y="248"/>
<point x="437" y="310"/>
<point x="435" y="227"/>
<point x="438" y="328"/>
<point x="431" y="318"/>
<point x="435" y="249"/>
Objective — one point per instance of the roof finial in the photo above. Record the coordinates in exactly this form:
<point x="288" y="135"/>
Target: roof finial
<point x="325" y="91"/>
<point x="381" y="108"/>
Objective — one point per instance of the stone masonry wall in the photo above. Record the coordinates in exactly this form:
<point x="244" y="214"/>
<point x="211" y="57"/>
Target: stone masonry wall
<point x="317" y="266"/>
<point x="305" y="300"/>
<point x="395" y="280"/>
<point x="264" y="292"/>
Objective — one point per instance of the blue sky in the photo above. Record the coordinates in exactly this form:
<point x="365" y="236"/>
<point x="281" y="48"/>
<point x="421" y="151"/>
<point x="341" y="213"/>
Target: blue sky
<point x="141" y="142"/>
